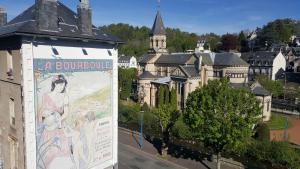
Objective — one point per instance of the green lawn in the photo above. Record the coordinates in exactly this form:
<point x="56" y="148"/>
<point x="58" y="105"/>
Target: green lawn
<point x="278" y="122"/>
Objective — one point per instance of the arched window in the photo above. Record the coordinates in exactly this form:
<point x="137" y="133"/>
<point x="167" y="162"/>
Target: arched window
<point x="157" y="43"/>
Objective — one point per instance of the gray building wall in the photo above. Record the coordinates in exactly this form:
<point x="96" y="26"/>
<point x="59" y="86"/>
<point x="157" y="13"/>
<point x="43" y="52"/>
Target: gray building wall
<point x="11" y="88"/>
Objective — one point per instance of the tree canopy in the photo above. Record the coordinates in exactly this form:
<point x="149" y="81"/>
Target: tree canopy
<point x="278" y="31"/>
<point x="137" y="39"/>
<point x="126" y="76"/>
<point x="221" y="117"/>
<point x="275" y="87"/>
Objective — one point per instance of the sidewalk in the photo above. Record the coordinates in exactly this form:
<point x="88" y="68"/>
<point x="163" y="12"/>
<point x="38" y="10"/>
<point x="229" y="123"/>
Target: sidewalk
<point x="132" y="139"/>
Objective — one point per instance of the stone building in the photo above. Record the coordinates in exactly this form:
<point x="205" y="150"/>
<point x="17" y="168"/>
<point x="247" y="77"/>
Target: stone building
<point x="49" y="32"/>
<point x="183" y="71"/>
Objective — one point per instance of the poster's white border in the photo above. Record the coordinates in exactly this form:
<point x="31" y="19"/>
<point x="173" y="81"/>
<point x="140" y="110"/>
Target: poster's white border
<point x="44" y="50"/>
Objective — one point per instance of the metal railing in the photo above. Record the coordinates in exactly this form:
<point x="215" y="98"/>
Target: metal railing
<point x="286" y="106"/>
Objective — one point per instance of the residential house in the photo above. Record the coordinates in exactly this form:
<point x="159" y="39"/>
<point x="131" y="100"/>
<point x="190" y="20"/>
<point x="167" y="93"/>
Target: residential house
<point x="271" y="64"/>
<point x="127" y="62"/>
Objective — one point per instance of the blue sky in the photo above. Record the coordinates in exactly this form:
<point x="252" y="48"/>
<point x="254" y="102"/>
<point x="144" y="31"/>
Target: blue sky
<point x="198" y="16"/>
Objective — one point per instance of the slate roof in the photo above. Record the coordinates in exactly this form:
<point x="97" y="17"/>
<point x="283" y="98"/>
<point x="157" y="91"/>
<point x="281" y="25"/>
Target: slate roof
<point x="124" y="59"/>
<point x="148" y="75"/>
<point x="26" y="24"/>
<point x="261" y="58"/>
<point x="178" y="58"/>
<point x="158" y="26"/>
<point x="146" y="58"/>
<point x="221" y="59"/>
<point x="258" y="90"/>
<point x="190" y="71"/>
<point x="255" y="88"/>
<point x="228" y="59"/>
<point x="206" y="59"/>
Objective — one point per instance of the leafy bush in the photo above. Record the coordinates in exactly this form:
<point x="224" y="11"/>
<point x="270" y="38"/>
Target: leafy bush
<point x="126" y="76"/>
<point x="275" y="87"/>
<point x="181" y="130"/>
<point x="262" y="132"/>
<point x="277" y="154"/>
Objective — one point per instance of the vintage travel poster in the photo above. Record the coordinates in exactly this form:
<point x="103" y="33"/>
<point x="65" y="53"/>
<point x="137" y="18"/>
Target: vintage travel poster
<point x="73" y="99"/>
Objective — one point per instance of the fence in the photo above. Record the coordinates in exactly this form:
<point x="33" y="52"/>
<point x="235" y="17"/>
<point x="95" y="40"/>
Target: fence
<point x="286" y="107"/>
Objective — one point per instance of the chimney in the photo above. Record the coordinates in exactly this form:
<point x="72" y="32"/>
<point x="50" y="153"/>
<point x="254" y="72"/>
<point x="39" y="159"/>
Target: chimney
<point x="84" y="18"/>
<point x="3" y="17"/>
<point x="46" y="15"/>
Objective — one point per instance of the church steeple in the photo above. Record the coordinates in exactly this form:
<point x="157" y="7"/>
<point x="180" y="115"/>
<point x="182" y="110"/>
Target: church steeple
<point x="158" y="38"/>
<point x="158" y="27"/>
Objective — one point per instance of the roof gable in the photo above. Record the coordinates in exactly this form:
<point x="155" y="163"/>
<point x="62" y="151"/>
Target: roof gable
<point x="188" y="71"/>
<point x="178" y="72"/>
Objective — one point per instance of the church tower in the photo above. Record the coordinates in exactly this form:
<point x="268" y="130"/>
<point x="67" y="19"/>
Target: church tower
<point x="158" y="36"/>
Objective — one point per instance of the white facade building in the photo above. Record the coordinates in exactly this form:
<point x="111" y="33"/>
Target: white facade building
<point x="127" y="62"/>
<point x="271" y="64"/>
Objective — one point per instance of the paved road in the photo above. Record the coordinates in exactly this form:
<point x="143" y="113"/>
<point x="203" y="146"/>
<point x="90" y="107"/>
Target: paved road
<point x="129" y="144"/>
<point x="132" y="158"/>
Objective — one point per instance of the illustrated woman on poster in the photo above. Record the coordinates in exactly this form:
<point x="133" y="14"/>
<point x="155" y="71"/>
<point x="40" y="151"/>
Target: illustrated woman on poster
<point x="54" y="145"/>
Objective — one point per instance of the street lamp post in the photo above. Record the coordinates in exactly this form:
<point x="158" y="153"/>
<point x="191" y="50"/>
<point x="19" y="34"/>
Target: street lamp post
<point x="141" y="128"/>
<point x="142" y="96"/>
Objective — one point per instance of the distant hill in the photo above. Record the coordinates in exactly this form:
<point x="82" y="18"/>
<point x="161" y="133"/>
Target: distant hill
<point x="137" y="39"/>
<point x="279" y="31"/>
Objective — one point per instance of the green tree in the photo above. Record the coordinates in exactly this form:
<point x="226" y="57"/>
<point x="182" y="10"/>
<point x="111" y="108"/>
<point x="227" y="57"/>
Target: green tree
<point x="278" y="31"/>
<point x="275" y="87"/>
<point x="181" y="130"/>
<point x="137" y="39"/>
<point x="220" y="116"/>
<point x="243" y="44"/>
<point x="126" y="76"/>
<point x="212" y="41"/>
<point x="161" y="96"/>
<point x="276" y="154"/>
<point x="263" y="132"/>
<point x="166" y="118"/>
<point x="167" y="95"/>
<point x="173" y="99"/>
